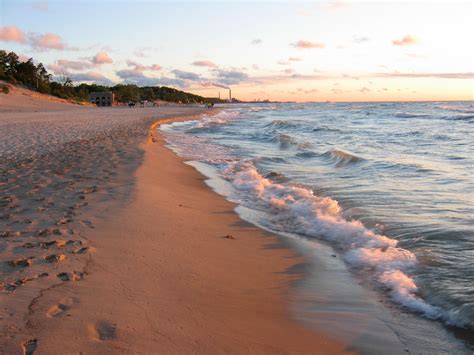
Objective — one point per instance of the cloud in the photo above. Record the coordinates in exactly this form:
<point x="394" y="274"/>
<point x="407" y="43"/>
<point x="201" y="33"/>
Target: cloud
<point x="294" y="59"/>
<point x="282" y="62"/>
<point x="65" y="65"/>
<point x="155" y="67"/>
<point x="302" y="44"/>
<point x="41" y="6"/>
<point x="46" y="41"/>
<point x="39" y="42"/>
<point x="12" y="34"/>
<point x="408" y="40"/>
<point x="310" y="91"/>
<point x="360" y="39"/>
<point x="334" y="5"/>
<point x="130" y="74"/>
<point x="73" y="64"/>
<point x="186" y="75"/>
<point x="348" y="76"/>
<point x="466" y="75"/>
<point x="136" y="76"/>
<point x="91" y="76"/>
<point x="102" y="58"/>
<point x="140" y="67"/>
<point x="256" y="41"/>
<point x="288" y="71"/>
<point x="278" y="79"/>
<point x="416" y="55"/>
<point x="230" y="77"/>
<point x="204" y="63"/>
<point x="364" y="90"/>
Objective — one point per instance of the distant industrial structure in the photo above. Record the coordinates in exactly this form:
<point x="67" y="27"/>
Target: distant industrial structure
<point x="230" y="94"/>
<point x="102" y="98"/>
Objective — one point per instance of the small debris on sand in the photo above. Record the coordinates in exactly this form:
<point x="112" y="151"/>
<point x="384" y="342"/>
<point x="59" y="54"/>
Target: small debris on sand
<point x="22" y="262"/>
<point x="81" y="251"/>
<point x="53" y="258"/>
<point x="74" y="242"/>
<point x="9" y="234"/>
<point x="71" y="276"/>
<point x="28" y="245"/>
<point x="228" y="236"/>
<point x="89" y="189"/>
<point x="43" y="233"/>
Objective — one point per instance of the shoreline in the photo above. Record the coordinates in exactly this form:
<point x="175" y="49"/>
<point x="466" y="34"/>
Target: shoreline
<point x="329" y="297"/>
<point x="164" y="278"/>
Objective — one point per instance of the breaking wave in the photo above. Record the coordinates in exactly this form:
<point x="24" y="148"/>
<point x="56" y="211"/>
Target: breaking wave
<point x="298" y="210"/>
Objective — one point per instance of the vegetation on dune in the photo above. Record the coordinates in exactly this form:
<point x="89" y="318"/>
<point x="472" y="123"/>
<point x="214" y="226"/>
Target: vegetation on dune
<point x="36" y="77"/>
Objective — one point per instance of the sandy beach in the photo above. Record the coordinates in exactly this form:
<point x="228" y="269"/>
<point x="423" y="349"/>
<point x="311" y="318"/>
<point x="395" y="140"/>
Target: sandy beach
<point x="111" y="244"/>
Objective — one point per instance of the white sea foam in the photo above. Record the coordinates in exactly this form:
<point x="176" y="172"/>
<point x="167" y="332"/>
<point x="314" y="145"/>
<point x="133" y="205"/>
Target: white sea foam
<point x="220" y="118"/>
<point x="296" y="209"/>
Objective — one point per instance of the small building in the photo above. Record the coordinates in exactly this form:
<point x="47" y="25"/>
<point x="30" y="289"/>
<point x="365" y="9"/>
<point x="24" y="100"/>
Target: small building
<point x="102" y="98"/>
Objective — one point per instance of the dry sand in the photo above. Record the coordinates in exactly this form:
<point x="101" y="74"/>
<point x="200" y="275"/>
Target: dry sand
<point x="24" y="100"/>
<point x="111" y="244"/>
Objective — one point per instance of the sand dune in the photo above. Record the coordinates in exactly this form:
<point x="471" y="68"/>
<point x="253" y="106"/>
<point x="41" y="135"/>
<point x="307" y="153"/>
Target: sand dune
<point x="23" y="100"/>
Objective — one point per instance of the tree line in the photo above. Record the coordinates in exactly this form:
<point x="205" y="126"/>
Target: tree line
<point x="36" y="77"/>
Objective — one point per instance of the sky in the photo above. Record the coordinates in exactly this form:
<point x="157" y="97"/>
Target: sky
<point x="286" y="51"/>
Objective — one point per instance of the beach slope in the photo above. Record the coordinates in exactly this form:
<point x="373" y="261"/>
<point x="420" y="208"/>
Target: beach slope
<point x="175" y="271"/>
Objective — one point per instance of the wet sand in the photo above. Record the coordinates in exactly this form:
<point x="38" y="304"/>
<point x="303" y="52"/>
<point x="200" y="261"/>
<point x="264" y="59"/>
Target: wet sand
<point x="111" y="244"/>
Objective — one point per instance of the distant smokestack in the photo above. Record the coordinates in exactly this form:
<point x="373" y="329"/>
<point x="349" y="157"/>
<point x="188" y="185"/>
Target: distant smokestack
<point x="219" y="95"/>
<point x="230" y="95"/>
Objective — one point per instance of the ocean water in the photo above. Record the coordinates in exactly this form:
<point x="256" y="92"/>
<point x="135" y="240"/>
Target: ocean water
<point x="389" y="186"/>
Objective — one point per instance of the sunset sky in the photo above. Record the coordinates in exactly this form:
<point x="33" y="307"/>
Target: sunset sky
<point x="308" y="51"/>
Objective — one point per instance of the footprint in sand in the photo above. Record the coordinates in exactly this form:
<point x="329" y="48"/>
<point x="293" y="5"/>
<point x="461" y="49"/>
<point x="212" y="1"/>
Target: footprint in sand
<point x="102" y="331"/>
<point x="29" y="346"/>
<point x="58" y="309"/>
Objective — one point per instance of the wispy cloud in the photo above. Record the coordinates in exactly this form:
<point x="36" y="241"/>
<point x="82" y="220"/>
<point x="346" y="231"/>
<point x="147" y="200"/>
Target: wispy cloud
<point x="138" y="67"/>
<point x="360" y="39"/>
<point x="65" y="64"/>
<point x="466" y="75"/>
<point x="41" y="6"/>
<point x="408" y="40"/>
<point x="303" y="44"/>
<point x="308" y="91"/>
<point x="334" y="5"/>
<point x="204" y="63"/>
<point x="137" y="77"/>
<point x="294" y="59"/>
<point x="256" y="41"/>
